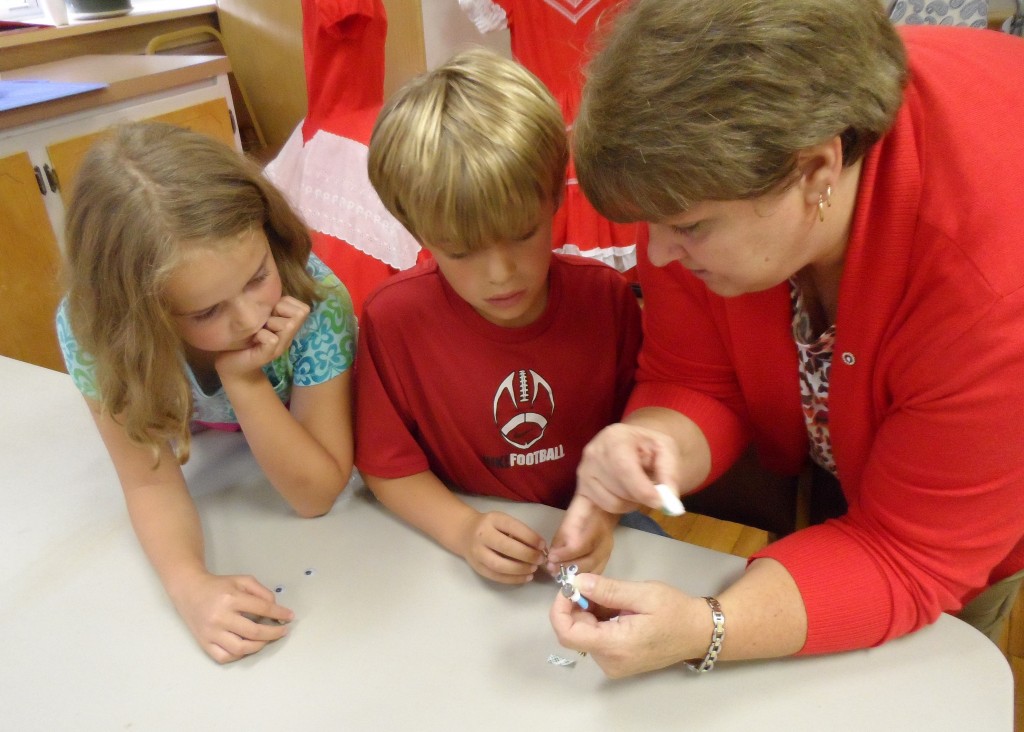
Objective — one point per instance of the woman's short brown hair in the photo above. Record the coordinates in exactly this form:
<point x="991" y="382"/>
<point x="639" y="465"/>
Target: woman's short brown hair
<point x="694" y="100"/>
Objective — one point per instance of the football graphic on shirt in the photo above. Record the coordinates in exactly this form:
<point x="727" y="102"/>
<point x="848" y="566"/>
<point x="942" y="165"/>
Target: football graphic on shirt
<point x="523" y="405"/>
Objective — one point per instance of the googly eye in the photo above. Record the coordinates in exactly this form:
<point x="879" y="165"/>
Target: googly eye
<point x="279" y="589"/>
<point x="310" y="572"/>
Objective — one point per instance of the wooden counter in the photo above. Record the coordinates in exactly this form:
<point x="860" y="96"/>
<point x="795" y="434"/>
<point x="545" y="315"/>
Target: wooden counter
<point x="125" y="34"/>
<point x="41" y="148"/>
<point x="128" y="77"/>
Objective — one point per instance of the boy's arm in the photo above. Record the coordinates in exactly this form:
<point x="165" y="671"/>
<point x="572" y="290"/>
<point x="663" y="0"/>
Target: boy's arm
<point x="167" y="525"/>
<point x="496" y="545"/>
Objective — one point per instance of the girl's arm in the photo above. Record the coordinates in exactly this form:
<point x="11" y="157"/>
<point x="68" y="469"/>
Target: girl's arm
<point x="496" y="545"/>
<point x="305" y="451"/>
<point x="166" y="523"/>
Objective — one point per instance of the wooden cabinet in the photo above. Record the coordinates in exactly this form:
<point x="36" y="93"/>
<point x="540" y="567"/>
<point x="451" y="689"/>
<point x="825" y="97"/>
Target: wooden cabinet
<point x="29" y="280"/>
<point x="213" y="118"/>
<point x="41" y="148"/>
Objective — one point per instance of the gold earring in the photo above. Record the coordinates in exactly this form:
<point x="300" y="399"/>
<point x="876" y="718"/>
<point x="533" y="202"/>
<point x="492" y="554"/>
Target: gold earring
<point x="824" y="199"/>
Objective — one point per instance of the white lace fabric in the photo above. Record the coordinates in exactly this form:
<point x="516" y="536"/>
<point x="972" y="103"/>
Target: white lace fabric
<point x="326" y="182"/>
<point x="485" y="15"/>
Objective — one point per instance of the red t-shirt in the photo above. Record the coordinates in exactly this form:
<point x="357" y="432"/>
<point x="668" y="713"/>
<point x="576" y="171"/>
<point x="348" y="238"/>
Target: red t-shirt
<point x="491" y="410"/>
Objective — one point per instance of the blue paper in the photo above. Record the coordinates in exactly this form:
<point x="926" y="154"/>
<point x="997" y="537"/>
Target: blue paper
<point x="24" y="92"/>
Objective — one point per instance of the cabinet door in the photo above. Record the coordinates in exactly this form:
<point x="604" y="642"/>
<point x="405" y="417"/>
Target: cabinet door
<point x="212" y="118"/>
<point x="29" y="278"/>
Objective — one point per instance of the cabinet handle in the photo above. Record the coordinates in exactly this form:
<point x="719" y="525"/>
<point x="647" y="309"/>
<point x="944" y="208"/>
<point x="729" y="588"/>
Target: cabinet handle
<point x="51" y="178"/>
<point x="39" y="179"/>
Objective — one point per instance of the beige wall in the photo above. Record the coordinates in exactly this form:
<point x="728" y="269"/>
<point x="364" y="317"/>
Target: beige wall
<point x="404" y="54"/>
<point x="264" y="40"/>
<point x="447" y="29"/>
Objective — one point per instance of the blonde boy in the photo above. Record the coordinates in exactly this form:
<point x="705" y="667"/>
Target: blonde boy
<point x="488" y="368"/>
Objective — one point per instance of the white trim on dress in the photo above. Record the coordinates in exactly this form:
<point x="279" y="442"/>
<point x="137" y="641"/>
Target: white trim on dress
<point x="326" y="182"/>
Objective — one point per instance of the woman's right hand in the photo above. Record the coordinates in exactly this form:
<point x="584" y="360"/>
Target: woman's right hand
<point x="621" y="464"/>
<point x="222" y="613"/>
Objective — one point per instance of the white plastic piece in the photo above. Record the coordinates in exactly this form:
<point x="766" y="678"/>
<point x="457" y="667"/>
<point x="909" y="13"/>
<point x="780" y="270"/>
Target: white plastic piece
<point x="670" y="503"/>
<point x="561" y="661"/>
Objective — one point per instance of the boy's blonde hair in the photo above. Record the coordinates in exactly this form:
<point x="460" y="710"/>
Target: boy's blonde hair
<point x="145" y="195"/>
<point x="702" y="100"/>
<point x="465" y="155"/>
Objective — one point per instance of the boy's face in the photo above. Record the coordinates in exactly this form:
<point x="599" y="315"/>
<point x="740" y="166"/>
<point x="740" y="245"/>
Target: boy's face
<point x="506" y="282"/>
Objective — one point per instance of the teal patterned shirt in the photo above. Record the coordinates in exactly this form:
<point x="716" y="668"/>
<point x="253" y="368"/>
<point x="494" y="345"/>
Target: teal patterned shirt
<point x="323" y="348"/>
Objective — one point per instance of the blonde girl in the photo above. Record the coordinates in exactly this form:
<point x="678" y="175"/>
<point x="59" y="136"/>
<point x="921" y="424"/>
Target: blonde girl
<point x="193" y="299"/>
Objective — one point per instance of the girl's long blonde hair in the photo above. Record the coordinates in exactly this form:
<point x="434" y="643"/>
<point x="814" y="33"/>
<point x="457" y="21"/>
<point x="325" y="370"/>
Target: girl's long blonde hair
<point x="144" y="195"/>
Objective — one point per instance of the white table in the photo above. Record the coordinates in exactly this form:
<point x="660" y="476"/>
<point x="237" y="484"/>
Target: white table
<point x="392" y="632"/>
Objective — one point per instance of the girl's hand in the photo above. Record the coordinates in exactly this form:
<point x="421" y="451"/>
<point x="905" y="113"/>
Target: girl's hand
<point x="652" y="629"/>
<point x="502" y="548"/>
<point x="269" y="342"/>
<point x="585" y="537"/>
<point x="220" y="612"/>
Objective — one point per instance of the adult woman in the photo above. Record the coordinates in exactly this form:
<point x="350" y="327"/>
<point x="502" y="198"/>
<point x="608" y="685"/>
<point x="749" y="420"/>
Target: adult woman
<point x="814" y="183"/>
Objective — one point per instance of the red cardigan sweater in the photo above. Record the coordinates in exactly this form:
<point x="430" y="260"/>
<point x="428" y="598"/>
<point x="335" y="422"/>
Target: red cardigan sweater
<point x="927" y="381"/>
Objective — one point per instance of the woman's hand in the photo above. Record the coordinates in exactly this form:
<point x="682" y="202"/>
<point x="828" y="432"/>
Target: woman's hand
<point x="270" y="342"/>
<point x="585" y="538"/>
<point x="624" y="461"/>
<point x="650" y="625"/>
<point x="222" y="613"/>
<point x="621" y="465"/>
<point x="501" y="548"/>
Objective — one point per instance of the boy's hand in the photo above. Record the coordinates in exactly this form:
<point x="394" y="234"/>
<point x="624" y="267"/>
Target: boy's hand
<point x="219" y="611"/>
<point x="269" y="342"/>
<point x="502" y="548"/>
<point x="585" y="537"/>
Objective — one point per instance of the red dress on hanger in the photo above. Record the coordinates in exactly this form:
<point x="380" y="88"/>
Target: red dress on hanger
<point x="550" y="38"/>
<point x="322" y="166"/>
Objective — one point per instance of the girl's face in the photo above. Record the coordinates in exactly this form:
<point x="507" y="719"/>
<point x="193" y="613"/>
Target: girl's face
<point x="221" y="295"/>
<point x="737" y="247"/>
